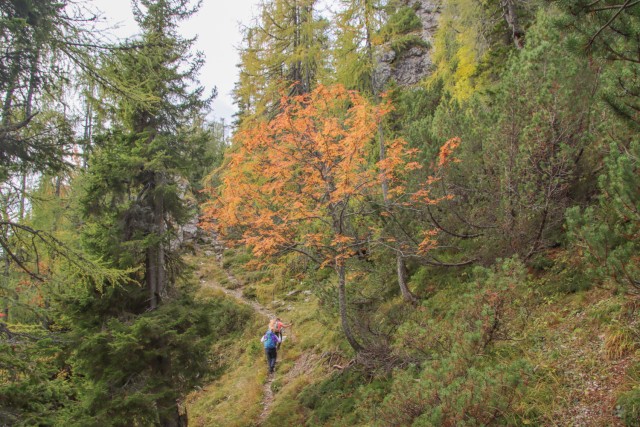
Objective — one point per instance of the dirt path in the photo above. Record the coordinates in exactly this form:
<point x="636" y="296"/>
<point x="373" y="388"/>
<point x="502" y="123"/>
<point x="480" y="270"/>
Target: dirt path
<point x="267" y="400"/>
<point x="237" y="294"/>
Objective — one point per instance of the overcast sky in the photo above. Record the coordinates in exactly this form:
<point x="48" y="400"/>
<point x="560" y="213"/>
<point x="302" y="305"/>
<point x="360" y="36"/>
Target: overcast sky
<point x="217" y="26"/>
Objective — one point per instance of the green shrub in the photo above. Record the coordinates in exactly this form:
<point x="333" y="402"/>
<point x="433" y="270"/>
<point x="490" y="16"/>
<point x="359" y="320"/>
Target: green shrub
<point x="451" y="392"/>
<point x="333" y="398"/>
<point x="628" y="407"/>
<point x="466" y="374"/>
<point x="404" y="20"/>
<point x="249" y="292"/>
<point x="403" y="43"/>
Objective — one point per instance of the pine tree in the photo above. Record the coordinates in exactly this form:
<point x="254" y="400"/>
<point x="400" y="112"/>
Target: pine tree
<point x="607" y="234"/>
<point x="609" y="29"/>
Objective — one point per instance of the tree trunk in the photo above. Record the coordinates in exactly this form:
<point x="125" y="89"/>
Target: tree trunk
<point x="171" y="417"/>
<point x="23" y="192"/>
<point x="342" y="306"/>
<point x="88" y="130"/>
<point x="33" y="81"/>
<point x="168" y="408"/>
<point x="401" y="267"/>
<point x="511" y="17"/>
<point x="58" y="186"/>
<point x="407" y="295"/>
<point x="8" y="98"/>
<point x="151" y="277"/>
<point x="160" y="230"/>
<point x="7" y="271"/>
<point x="156" y="275"/>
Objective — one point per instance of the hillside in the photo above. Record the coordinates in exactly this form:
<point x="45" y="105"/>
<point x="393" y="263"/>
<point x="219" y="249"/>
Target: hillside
<point x="526" y="355"/>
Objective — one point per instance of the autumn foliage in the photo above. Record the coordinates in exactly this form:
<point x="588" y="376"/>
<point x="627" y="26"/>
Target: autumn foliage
<point x="298" y="182"/>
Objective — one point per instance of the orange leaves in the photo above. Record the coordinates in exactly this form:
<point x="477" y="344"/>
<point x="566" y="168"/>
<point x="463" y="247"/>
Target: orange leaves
<point x="396" y="164"/>
<point x="424" y="196"/>
<point x="411" y="166"/>
<point x="298" y="171"/>
<point x="428" y="242"/>
<point x="341" y="239"/>
<point x="304" y="179"/>
<point x="446" y="152"/>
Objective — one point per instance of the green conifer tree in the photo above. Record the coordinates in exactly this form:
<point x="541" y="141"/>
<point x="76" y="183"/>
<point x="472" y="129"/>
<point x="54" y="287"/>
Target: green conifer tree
<point x="607" y="234"/>
<point x="138" y="175"/>
<point x="143" y="346"/>
<point x="610" y="29"/>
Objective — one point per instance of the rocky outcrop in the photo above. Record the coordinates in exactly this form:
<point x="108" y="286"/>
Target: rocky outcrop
<point x="409" y="66"/>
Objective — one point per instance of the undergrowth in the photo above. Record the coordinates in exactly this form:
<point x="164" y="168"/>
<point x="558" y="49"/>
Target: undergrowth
<point x="508" y="345"/>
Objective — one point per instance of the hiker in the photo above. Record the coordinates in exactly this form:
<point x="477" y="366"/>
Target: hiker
<point x="271" y="342"/>
<point x="278" y="327"/>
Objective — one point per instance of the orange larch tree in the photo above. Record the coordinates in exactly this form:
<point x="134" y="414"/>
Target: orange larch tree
<point x="300" y="181"/>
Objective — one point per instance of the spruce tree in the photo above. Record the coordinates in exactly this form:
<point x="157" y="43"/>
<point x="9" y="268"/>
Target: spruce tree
<point x="138" y="175"/>
<point x="144" y="346"/>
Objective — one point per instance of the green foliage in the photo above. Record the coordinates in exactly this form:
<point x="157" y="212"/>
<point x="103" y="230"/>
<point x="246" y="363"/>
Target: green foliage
<point x="141" y="342"/>
<point x="209" y="141"/>
<point x="562" y="272"/>
<point x="460" y="377"/>
<point x="284" y="51"/>
<point x="628" y="403"/>
<point x="413" y="117"/>
<point x="458" y="49"/>
<point x="450" y="392"/>
<point x="358" y="24"/>
<point x="134" y="367"/>
<point x="628" y="407"/>
<point x="33" y="40"/>
<point x="34" y="377"/>
<point x="403" y="21"/>
<point x="527" y="148"/>
<point x="406" y="42"/>
<point x="401" y="29"/>
<point x="249" y="292"/>
<point x="607" y="234"/>
<point x="333" y="398"/>
<point x="537" y="125"/>
<point x="608" y="30"/>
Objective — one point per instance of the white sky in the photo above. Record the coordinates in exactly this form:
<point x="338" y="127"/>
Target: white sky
<point x="217" y="25"/>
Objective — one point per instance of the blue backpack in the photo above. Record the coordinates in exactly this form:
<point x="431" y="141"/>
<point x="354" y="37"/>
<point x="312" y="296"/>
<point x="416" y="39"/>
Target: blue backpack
<point x="270" y="340"/>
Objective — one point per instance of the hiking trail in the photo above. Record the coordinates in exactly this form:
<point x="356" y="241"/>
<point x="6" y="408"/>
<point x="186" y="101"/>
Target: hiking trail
<point x="236" y="293"/>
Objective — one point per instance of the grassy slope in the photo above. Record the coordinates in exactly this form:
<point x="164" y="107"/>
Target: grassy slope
<point x="236" y="397"/>
<point x="581" y="348"/>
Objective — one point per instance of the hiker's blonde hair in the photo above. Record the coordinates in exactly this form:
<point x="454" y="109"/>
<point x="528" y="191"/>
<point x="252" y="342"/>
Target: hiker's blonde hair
<point x="272" y="325"/>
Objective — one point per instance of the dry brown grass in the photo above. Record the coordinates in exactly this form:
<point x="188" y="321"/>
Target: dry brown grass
<point x="618" y="343"/>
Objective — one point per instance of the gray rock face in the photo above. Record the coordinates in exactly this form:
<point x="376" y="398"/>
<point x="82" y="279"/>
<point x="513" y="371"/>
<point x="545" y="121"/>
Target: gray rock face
<point x="411" y="66"/>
